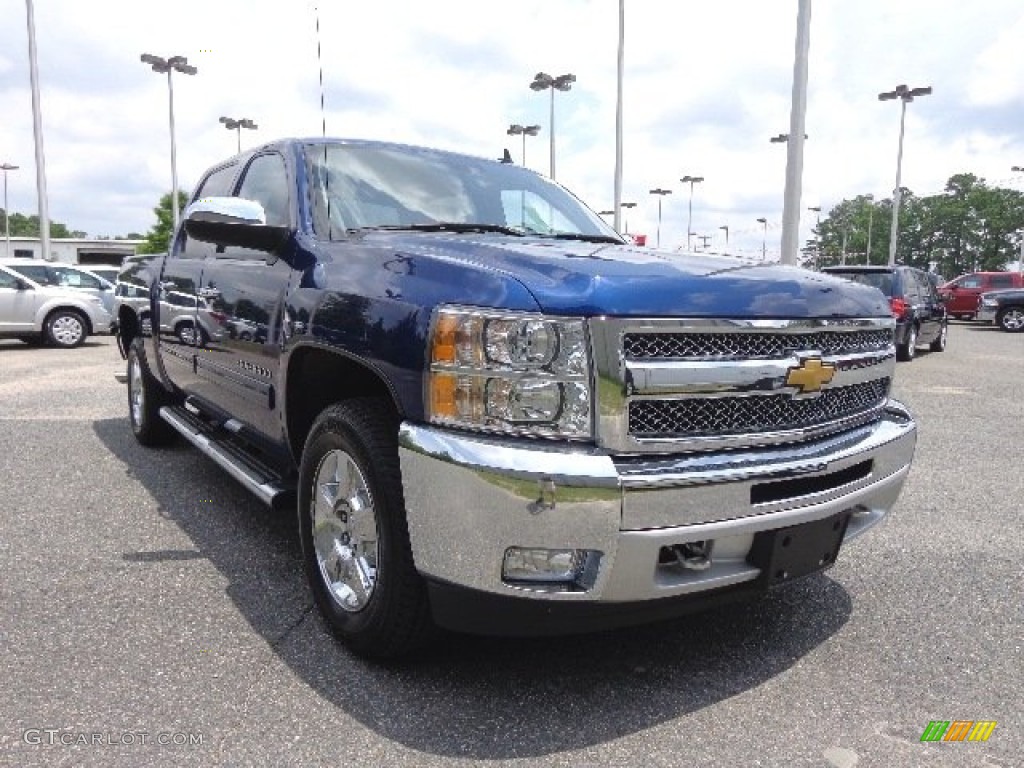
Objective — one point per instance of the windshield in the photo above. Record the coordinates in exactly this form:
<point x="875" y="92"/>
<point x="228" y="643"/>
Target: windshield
<point x="358" y="187"/>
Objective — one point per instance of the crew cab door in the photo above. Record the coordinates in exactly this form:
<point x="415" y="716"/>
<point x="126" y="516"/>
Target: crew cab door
<point x="238" y="369"/>
<point x="178" y="324"/>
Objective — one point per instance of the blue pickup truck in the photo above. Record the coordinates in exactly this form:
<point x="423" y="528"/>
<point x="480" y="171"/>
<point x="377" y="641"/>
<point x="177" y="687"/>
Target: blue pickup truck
<point x="491" y="413"/>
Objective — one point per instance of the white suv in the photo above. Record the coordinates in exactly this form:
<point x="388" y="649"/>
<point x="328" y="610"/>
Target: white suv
<point x="63" y="317"/>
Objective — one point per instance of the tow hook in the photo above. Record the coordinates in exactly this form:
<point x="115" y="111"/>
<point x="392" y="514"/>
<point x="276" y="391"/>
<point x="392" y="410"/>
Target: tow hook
<point x="694" y="555"/>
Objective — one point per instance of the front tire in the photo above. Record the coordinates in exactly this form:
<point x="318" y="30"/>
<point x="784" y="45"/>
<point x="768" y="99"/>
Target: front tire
<point x="145" y="398"/>
<point x="354" y="534"/>
<point x="66" y="328"/>
<point x="905" y="351"/>
<point x="1011" y="319"/>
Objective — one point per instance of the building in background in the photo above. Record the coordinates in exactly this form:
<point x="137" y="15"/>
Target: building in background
<point x="74" y="250"/>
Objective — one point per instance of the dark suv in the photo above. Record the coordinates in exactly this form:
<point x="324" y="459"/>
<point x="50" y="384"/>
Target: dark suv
<point x="919" y="312"/>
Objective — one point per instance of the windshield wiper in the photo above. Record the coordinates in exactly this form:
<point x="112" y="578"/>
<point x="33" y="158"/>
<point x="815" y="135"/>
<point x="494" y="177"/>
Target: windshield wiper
<point x="584" y="238"/>
<point x="448" y="226"/>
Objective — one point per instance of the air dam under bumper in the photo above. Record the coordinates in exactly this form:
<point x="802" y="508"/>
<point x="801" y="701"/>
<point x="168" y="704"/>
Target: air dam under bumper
<point x="470" y="498"/>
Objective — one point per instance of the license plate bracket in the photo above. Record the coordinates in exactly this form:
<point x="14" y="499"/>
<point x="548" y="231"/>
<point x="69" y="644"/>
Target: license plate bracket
<point x="790" y="553"/>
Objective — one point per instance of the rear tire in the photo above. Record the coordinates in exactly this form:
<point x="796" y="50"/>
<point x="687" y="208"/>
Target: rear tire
<point x="1011" y="319"/>
<point x="354" y="534"/>
<point x="905" y="351"/>
<point x="145" y="398"/>
<point x="66" y="328"/>
<point x="939" y="345"/>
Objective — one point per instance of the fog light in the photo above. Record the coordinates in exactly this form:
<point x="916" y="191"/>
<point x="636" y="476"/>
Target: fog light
<point x="559" y="568"/>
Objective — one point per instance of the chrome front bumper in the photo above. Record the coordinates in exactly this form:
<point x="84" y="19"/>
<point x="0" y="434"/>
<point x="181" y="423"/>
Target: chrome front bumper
<point x="986" y="314"/>
<point x="470" y="498"/>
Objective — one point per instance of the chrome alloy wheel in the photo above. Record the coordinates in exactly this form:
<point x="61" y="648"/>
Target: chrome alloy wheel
<point x="1012" y="319"/>
<point x="67" y="330"/>
<point x="136" y="391"/>
<point x="344" y="531"/>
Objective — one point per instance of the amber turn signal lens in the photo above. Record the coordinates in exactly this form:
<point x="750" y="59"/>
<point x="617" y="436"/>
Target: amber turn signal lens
<point x="444" y="340"/>
<point x="442" y="395"/>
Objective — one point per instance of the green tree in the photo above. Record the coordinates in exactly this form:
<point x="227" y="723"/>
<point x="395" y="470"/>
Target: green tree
<point x="967" y="227"/>
<point x="28" y="226"/>
<point x="158" y="239"/>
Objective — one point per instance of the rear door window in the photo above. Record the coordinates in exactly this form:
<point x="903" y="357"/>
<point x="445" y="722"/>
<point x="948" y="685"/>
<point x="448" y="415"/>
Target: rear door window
<point x="1000" y="281"/>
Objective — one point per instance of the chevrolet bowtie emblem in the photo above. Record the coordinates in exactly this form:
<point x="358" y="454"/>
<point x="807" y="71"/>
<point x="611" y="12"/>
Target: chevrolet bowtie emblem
<point x="810" y="376"/>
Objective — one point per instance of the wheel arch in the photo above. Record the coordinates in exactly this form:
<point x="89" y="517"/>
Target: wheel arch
<point x="80" y="311"/>
<point x="317" y="377"/>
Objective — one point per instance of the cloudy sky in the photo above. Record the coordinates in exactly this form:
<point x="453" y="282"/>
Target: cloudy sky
<point x="706" y="85"/>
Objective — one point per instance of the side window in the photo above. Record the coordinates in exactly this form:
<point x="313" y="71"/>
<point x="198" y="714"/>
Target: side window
<point x="1001" y="281"/>
<point x="217" y="184"/>
<point x="969" y="282"/>
<point x="8" y="280"/>
<point x="908" y="281"/>
<point x="41" y="274"/>
<point x="77" y="279"/>
<point x="266" y="182"/>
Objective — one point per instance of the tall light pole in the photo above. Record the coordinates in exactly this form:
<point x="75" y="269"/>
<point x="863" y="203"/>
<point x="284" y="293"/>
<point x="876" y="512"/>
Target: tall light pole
<point x="764" y="238"/>
<point x="620" y="64"/>
<point x="905" y="94"/>
<point x="726" y="228"/>
<point x="790" y="245"/>
<point x="524" y="130"/>
<point x="7" y="214"/>
<point x="660" y="193"/>
<point x="817" y="232"/>
<point x="169" y="65"/>
<point x="37" y="133"/>
<point x="236" y="125"/>
<point x="627" y="206"/>
<point x="543" y="81"/>
<point x="691" y="180"/>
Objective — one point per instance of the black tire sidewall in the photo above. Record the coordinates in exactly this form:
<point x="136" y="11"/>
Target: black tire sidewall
<point x="348" y="427"/>
<point x="151" y="430"/>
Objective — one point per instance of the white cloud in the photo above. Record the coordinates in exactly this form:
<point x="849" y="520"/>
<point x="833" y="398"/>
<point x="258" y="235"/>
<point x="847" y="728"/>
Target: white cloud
<point x="706" y="86"/>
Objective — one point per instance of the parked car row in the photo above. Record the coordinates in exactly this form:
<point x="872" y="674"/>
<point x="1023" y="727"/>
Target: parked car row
<point x="49" y="312"/>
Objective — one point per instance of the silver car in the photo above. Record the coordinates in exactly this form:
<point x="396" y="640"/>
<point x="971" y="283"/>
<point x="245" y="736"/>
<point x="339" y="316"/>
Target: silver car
<point x="65" y="276"/>
<point x="37" y="313"/>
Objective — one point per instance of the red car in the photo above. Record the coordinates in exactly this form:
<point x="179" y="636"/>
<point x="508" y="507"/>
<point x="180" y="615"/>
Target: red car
<point x="961" y="295"/>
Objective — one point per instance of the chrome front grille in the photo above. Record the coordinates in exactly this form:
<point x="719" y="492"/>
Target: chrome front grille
<point x="719" y="416"/>
<point x="709" y="346"/>
<point x="670" y="386"/>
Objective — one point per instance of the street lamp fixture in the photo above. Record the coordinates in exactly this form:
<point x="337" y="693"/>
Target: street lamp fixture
<point x="523" y="130"/>
<point x="7" y="214"/>
<point x="782" y="138"/>
<point x="691" y="180"/>
<point x="236" y="125"/>
<point x="162" y="66"/>
<point x="660" y="193"/>
<point x="542" y="81"/>
<point x="764" y="237"/>
<point x="906" y="95"/>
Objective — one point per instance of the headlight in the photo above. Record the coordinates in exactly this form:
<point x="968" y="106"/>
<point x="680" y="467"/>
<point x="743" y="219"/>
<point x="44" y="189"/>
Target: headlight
<point x="509" y="372"/>
<point x="988" y="301"/>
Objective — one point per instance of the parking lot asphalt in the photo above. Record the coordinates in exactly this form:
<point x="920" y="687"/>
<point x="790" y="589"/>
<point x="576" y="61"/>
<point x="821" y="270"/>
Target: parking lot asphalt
<point x="153" y="613"/>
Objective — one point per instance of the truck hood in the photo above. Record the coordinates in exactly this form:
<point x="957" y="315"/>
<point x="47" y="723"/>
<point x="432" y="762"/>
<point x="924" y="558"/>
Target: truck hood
<point x="579" y="278"/>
